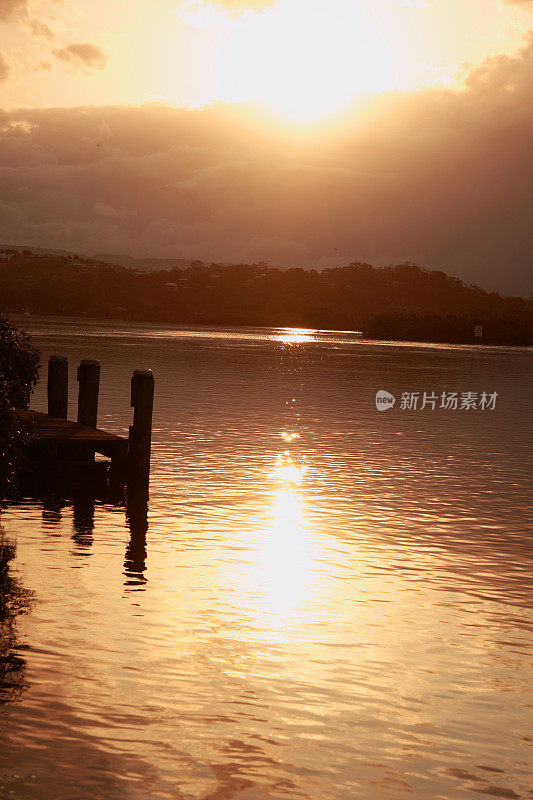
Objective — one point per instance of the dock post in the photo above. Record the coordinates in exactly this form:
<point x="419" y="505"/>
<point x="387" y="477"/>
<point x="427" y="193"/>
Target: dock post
<point x="89" y="380"/>
<point x="140" y="439"/>
<point x="58" y="386"/>
<point x="118" y="468"/>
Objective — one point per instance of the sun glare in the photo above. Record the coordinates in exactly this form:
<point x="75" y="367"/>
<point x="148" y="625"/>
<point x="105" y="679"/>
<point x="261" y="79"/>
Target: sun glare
<point x="289" y="437"/>
<point x="308" y="62"/>
<point x="300" y="58"/>
<point x="282" y="578"/>
<point x="287" y="472"/>
<point x="294" y="336"/>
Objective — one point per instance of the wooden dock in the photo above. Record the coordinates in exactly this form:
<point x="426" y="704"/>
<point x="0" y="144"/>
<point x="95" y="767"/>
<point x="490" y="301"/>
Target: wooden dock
<point x="59" y="446"/>
<point x="57" y="436"/>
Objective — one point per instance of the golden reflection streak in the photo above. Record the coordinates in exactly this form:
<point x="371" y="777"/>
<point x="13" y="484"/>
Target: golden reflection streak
<point x="289" y="437"/>
<point x="294" y="336"/>
<point x="287" y="472"/>
<point x="283" y="579"/>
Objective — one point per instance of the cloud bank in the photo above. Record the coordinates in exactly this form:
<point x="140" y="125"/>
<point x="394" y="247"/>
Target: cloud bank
<point x="439" y="177"/>
<point x="85" y="55"/>
<point x="10" y="9"/>
<point x="42" y="29"/>
<point x="4" y="68"/>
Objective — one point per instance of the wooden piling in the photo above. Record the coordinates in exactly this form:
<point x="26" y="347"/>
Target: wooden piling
<point x="58" y="387"/>
<point x="140" y="439"/>
<point x="89" y="385"/>
<point x="65" y="450"/>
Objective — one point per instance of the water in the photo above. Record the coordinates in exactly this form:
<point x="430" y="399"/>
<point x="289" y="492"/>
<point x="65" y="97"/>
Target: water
<point x="330" y="603"/>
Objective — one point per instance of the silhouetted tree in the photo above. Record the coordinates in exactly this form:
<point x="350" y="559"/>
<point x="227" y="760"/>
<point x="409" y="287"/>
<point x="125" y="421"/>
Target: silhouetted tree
<point x="19" y="368"/>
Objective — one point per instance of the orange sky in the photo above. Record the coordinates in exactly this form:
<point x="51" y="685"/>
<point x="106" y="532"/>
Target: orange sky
<point x="345" y="104"/>
<point x="301" y="58"/>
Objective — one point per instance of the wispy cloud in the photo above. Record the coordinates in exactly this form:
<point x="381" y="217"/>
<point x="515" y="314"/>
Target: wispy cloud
<point x="11" y="9"/>
<point x="4" y="68"/>
<point x="42" y="29"/>
<point x="85" y="55"/>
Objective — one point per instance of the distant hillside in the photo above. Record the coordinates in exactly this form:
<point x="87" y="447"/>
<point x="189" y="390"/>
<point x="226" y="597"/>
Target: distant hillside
<point x="398" y="302"/>
<point x="48" y="250"/>
<point x="118" y="259"/>
<point x="145" y="264"/>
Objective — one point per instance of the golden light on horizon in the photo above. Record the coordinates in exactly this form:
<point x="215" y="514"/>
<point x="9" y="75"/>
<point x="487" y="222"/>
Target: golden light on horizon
<point x="294" y="336"/>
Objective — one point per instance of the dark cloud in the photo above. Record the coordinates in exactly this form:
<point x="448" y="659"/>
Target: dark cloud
<point x="10" y="9"/>
<point x="85" y="55"/>
<point x="18" y="10"/>
<point x="440" y="177"/>
<point x="41" y="29"/>
<point x="4" y="68"/>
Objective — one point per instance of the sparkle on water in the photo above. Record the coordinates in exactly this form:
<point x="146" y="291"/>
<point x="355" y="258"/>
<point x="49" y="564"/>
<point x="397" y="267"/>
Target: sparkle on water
<point x="323" y="601"/>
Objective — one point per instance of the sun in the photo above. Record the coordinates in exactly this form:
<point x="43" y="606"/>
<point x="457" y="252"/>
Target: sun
<point x="309" y="61"/>
<point x="317" y="58"/>
<point x="302" y="59"/>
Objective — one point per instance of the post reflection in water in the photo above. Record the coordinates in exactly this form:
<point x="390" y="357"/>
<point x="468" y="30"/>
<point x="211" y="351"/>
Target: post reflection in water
<point x="137" y="519"/>
<point x="52" y="511"/>
<point x="83" y="507"/>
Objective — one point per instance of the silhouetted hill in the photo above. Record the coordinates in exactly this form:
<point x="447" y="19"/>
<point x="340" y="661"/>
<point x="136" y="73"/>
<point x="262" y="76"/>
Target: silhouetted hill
<point x="145" y="264"/>
<point x="396" y="302"/>
<point x="118" y="259"/>
<point x="28" y="248"/>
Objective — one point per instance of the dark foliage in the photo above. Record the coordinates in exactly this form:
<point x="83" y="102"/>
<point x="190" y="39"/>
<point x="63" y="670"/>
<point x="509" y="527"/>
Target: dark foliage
<point x="455" y="329"/>
<point x="19" y="368"/>
<point x="14" y="600"/>
<point x="19" y="364"/>
<point x="355" y="297"/>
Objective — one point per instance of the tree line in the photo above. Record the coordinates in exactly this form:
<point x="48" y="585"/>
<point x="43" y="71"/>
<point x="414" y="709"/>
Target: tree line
<point x="403" y="301"/>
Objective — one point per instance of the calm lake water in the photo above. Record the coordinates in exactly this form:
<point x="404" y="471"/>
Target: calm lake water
<point x="330" y="603"/>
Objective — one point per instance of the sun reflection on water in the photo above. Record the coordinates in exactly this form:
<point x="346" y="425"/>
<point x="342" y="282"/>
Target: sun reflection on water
<point x="293" y="336"/>
<point x="287" y="472"/>
<point x="282" y="579"/>
<point x="284" y="562"/>
<point x="289" y="437"/>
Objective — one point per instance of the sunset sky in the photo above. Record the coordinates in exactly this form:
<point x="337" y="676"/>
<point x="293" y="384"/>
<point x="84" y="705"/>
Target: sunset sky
<point x="299" y="132"/>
